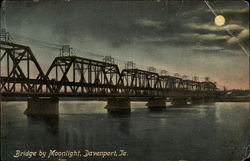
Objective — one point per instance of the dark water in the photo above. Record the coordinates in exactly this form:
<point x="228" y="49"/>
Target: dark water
<point x="219" y="131"/>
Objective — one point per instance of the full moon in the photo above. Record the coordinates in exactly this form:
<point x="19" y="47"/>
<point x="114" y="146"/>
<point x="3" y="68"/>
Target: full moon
<point x="219" y="20"/>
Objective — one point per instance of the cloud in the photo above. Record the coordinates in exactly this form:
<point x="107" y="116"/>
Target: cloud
<point x="214" y="50"/>
<point x="214" y="27"/>
<point x="150" y="23"/>
<point x="243" y="35"/>
<point x="227" y="10"/>
<point x="206" y="36"/>
<point x="209" y="48"/>
<point x="155" y="39"/>
<point x="204" y="9"/>
<point x="232" y="40"/>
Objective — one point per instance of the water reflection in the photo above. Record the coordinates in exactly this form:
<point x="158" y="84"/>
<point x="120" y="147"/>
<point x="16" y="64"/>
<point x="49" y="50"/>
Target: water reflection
<point x="51" y="122"/>
<point x="42" y="133"/>
<point x="194" y="132"/>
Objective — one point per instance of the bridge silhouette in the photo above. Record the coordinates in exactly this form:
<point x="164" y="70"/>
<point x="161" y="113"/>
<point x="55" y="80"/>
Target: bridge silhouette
<point x="73" y="76"/>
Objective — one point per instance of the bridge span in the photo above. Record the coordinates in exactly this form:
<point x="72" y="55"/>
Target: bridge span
<point x="71" y="76"/>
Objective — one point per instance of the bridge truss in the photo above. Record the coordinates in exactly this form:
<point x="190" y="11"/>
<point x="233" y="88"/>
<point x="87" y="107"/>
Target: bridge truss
<point x="21" y="75"/>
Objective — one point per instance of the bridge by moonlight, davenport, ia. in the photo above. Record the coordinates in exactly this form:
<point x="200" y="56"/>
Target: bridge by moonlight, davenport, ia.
<point x="72" y="76"/>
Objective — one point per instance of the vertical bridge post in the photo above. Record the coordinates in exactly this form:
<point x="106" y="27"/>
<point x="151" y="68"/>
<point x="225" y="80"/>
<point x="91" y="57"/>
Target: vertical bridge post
<point x="156" y="103"/>
<point x="118" y="105"/>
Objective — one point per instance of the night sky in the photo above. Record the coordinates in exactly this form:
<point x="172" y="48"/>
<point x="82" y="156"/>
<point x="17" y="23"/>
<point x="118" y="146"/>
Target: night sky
<point x="178" y="36"/>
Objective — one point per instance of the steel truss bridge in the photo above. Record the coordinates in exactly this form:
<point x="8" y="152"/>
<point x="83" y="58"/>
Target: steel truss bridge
<point x="73" y="76"/>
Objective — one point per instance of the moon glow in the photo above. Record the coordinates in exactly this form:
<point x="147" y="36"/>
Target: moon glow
<point x="219" y="20"/>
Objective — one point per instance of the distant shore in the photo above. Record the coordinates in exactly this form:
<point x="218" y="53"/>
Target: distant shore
<point x="234" y="99"/>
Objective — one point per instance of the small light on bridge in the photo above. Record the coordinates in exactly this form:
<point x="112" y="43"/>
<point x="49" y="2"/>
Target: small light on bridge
<point x="195" y="78"/>
<point x="177" y="75"/>
<point x="109" y="59"/>
<point x="164" y="72"/>
<point x="130" y="65"/>
<point x="152" y="69"/>
<point x="184" y="77"/>
<point x="207" y="79"/>
<point x="66" y="50"/>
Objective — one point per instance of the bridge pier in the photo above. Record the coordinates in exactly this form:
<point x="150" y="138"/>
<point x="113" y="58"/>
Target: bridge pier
<point x="118" y="105"/>
<point x="179" y="101"/>
<point x="156" y="103"/>
<point x="42" y="106"/>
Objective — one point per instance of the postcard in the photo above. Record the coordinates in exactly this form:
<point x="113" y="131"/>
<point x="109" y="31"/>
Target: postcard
<point x="124" y="80"/>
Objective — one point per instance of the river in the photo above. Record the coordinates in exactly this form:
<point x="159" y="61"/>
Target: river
<point x="218" y="131"/>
